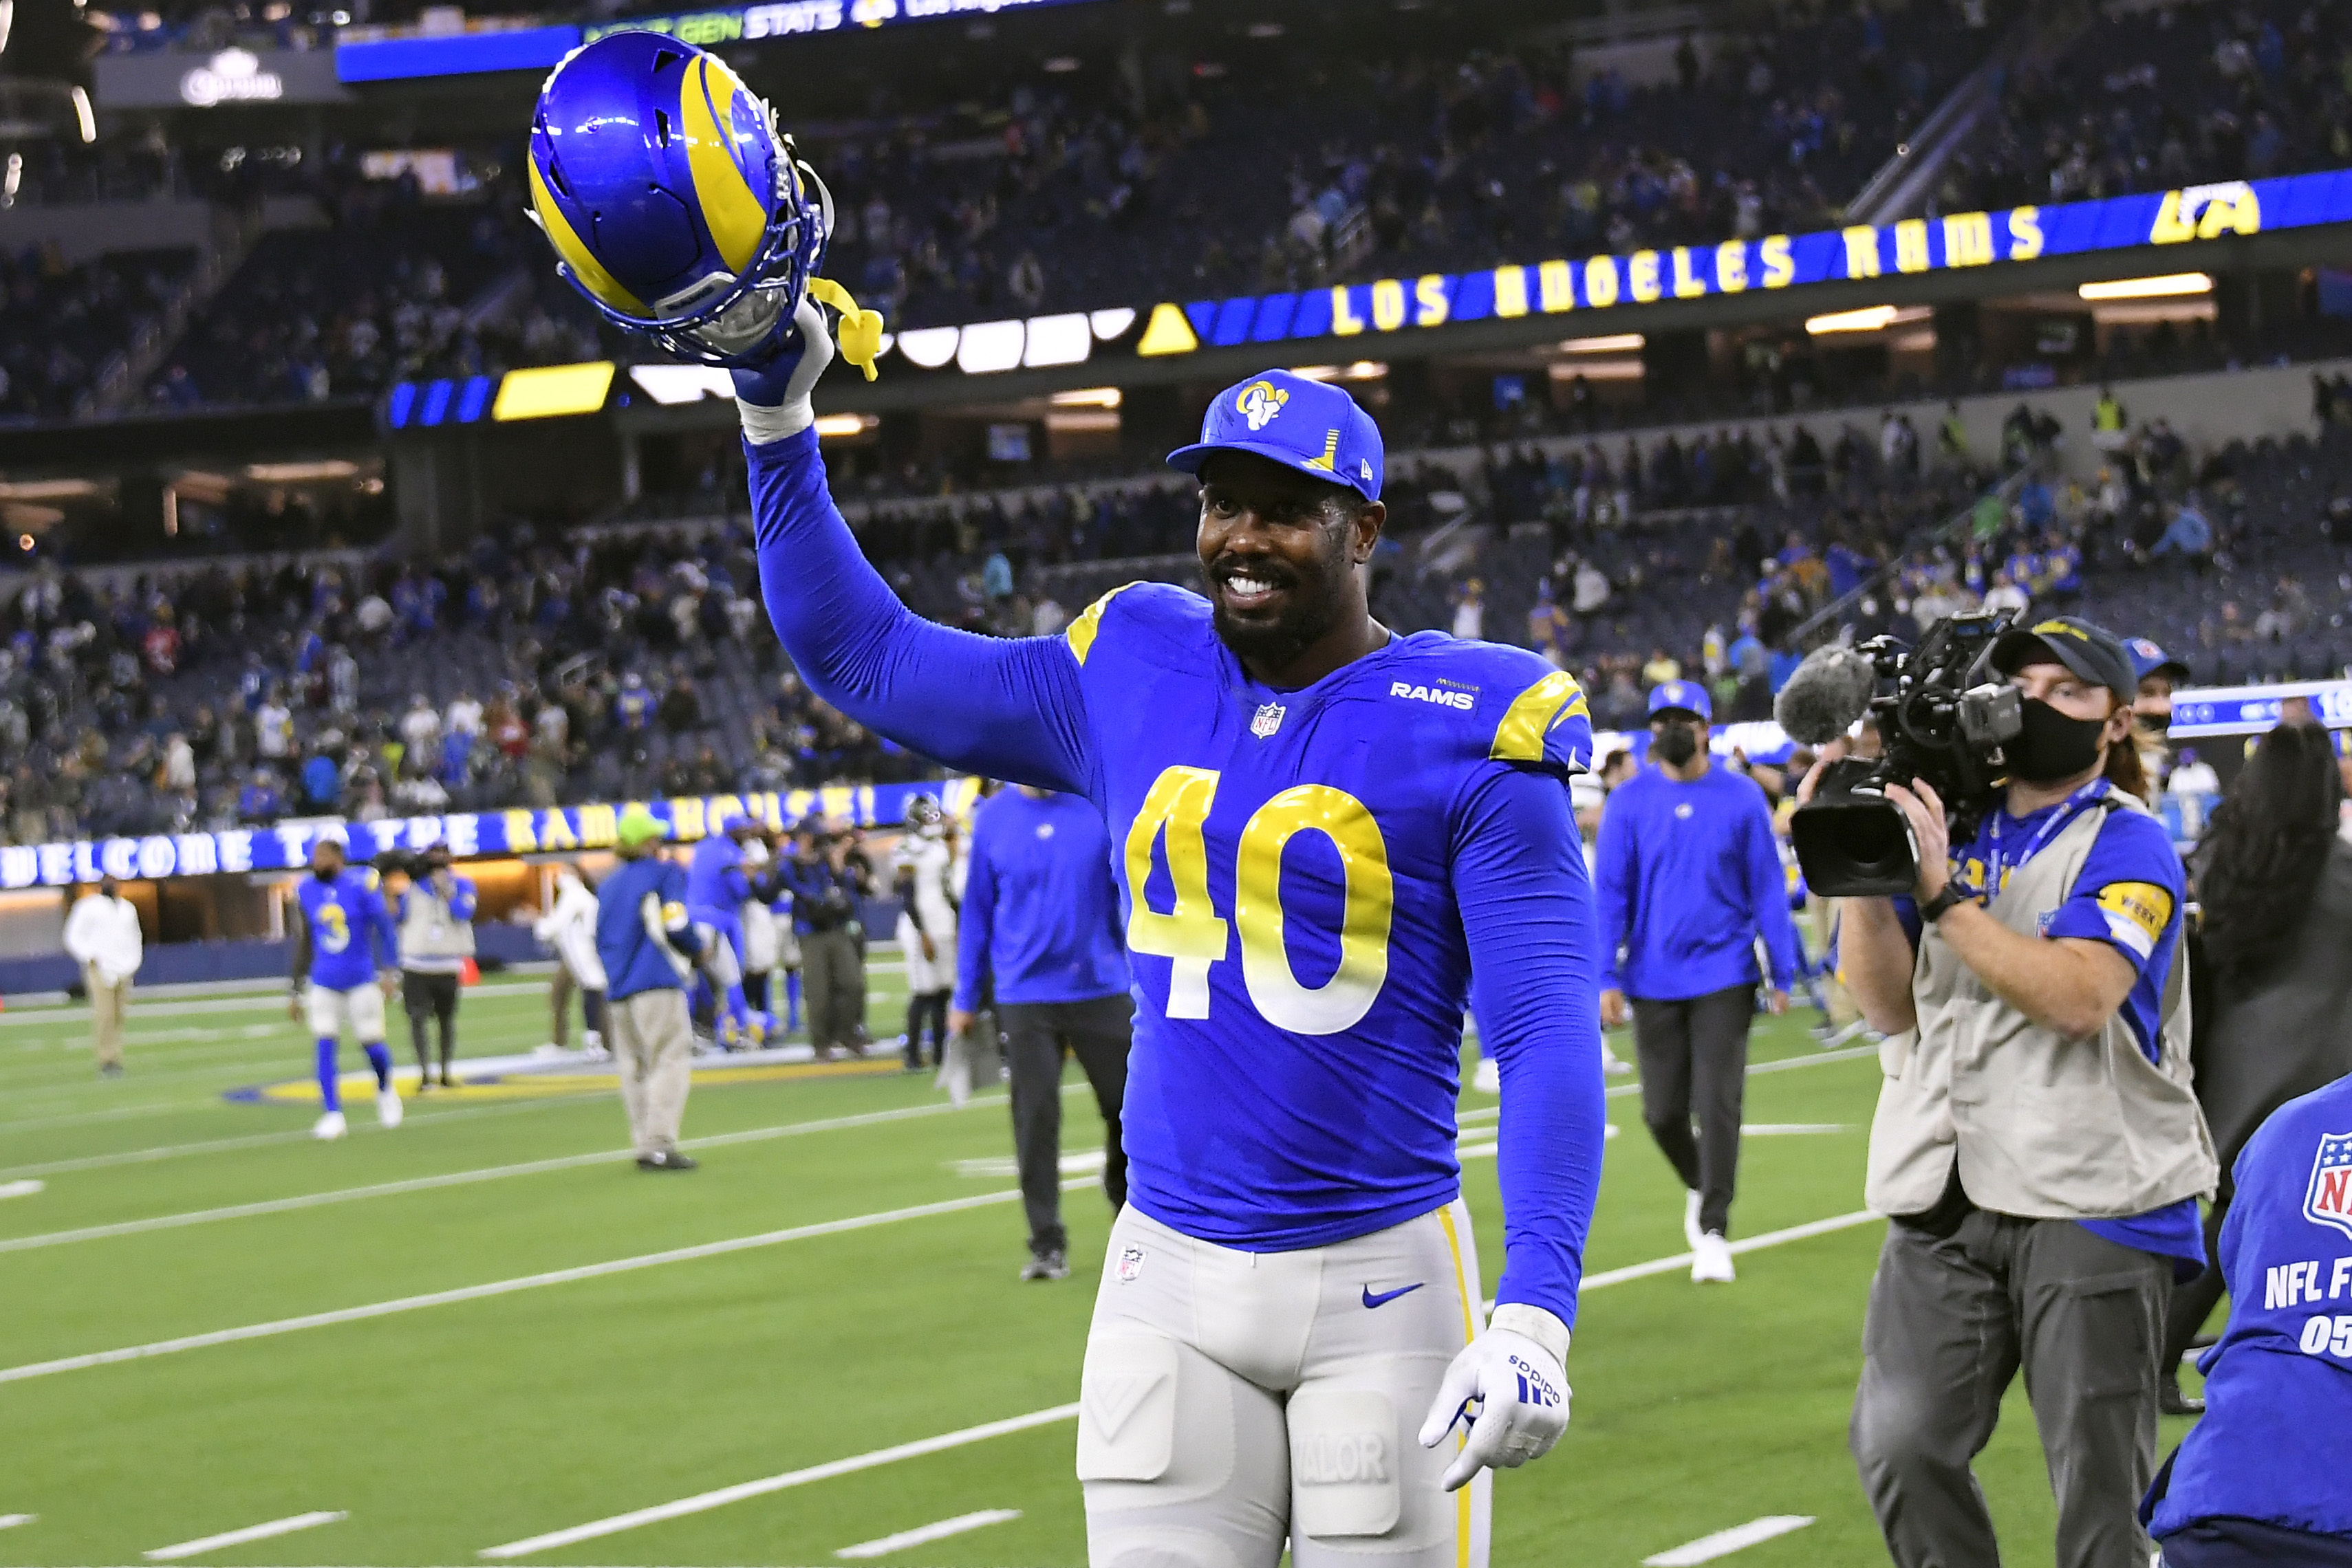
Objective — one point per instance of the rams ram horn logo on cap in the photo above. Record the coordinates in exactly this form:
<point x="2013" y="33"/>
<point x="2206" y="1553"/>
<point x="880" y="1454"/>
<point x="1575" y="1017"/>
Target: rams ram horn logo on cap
<point x="1260" y="402"/>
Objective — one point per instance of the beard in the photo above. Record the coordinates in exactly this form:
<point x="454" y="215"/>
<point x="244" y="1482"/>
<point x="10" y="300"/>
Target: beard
<point x="1312" y="607"/>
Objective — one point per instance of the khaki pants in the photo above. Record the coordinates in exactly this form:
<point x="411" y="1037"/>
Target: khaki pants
<point x="561" y="989"/>
<point x="834" y="977"/>
<point x="109" y="1001"/>
<point x="653" y="1049"/>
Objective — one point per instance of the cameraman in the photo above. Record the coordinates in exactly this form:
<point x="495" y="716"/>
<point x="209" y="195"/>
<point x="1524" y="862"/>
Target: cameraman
<point x="826" y="882"/>
<point x="2035" y="1143"/>
<point x="434" y="914"/>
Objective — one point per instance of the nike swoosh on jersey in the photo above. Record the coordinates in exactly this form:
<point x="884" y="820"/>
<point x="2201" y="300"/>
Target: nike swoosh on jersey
<point x="1385" y="1297"/>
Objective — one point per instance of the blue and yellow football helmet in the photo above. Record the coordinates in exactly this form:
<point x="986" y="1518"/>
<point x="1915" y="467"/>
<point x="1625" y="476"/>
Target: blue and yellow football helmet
<point x="674" y="203"/>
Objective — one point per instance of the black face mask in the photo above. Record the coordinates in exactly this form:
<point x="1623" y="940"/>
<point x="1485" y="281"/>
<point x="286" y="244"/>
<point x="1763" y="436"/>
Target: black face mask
<point x="326" y="873"/>
<point x="1673" y="744"/>
<point x="2053" y="745"/>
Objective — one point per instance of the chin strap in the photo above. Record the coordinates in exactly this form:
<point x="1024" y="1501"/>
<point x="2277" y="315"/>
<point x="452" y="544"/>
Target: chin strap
<point x="859" y="333"/>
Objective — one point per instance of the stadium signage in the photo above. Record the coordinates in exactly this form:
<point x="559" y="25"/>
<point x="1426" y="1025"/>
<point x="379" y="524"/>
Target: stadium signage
<point x="232" y="75"/>
<point x="792" y="18"/>
<point x="227" y="79"/>
<point x="2251" y="710"/>
<point x="469" y="835"/>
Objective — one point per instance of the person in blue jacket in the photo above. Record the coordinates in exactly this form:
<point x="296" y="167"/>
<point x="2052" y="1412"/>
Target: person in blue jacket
<point x="2265" y="1480"/>
<point x="345" y="958"/>
<point x="648" y="946"/>
<point x="717" y="887"/>
<point x="1687" y="877"/>
<point x="1040" y="919"/>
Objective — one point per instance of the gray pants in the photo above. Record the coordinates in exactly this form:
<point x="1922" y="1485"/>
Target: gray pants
<point x="1098" y="1033"/>
<point x="1694" y="1059"/>
<point x="833" y="978"/>
<point x="1950" y="1323"/>
<point x="652" y="1043"/>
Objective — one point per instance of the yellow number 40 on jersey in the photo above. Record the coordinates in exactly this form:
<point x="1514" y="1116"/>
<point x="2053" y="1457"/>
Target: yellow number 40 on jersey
<point x="1193" y="935"/>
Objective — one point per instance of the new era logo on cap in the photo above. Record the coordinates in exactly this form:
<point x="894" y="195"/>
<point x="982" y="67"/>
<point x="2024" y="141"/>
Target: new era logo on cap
<point x="1297" y="423"/>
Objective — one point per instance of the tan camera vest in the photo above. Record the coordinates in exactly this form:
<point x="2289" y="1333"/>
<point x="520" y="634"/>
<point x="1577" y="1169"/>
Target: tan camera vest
<point x="2043" y="1127"/>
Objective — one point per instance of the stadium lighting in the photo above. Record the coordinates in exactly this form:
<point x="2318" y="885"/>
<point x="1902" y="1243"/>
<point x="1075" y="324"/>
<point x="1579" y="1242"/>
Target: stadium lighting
<point x="1361" y="370"/>
<point x="296" y="473"/>
<point x="1617" y="343"/>
<point x="1870" y="318"/>
<point x="837" y="425"/>
<point x="1087" y="397"/>
<point x="2170" y="284"/>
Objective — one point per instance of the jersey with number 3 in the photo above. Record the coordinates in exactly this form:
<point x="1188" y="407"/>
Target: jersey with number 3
<point x="1314" y="883"/>
<point x="350" y="932"/>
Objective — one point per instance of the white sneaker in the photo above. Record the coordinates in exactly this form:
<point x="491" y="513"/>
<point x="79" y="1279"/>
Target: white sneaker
<point x="1613" y="1064"/>
<point x="1691" y="1234"/>
<point x="387" y="1107"/>
<point x="1711" y="1262"/>
<point x="1488" y="1079"/>
<point x="328" y="1127"/>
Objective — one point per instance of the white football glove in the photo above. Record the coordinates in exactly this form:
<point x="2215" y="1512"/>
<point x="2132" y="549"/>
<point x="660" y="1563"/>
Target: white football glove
<point x="1509" y="1385"/>
<point x="775" y="398"/>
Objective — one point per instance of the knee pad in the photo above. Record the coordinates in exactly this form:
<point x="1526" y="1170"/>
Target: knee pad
<point x="1346" y="1462"/>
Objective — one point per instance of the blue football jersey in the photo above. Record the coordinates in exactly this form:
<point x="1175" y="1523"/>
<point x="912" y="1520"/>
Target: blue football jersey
<point x="351" y="934"/>
<point x="1313" y="883"/>
<point x="1285" y="864"/>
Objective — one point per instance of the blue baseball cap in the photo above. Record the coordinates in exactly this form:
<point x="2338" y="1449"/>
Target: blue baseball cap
<point x="1681" y="696"/>
<point x="1297" y="423"/>
<point x="2147" y="659"/>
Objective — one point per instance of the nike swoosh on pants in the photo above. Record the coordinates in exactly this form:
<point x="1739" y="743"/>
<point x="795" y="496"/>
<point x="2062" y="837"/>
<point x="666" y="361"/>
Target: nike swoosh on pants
<point x="1385" y="1297"/>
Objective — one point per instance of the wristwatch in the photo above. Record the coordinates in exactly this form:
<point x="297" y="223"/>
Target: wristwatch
<point x="1956" y="892"/>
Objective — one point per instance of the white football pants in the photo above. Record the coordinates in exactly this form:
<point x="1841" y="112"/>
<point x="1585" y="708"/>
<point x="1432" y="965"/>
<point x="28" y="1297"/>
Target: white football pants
<point x="1235" y="1401"/>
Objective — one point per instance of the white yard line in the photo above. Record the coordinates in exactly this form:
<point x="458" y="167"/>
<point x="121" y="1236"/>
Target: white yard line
<point x="11" y="1520"/>
<point x="507" y="1287"/>
<point x="240" y="1536"/>
<point x="924" y="1534"/>
<point x="703" y="1501"/>
<point x="20" y="1188"/>
<point x="1723" y="1542"/>
<point x="1791" y="1129"/>
<point x="451" y="1179"/>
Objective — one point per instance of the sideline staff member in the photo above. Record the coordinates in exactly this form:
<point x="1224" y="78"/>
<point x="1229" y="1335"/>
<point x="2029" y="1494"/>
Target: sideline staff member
<point x="1688" y="875"/>
<point x="647" y="946"/>
<point x="102" y="936"/>
<point x="2036" y="1143"/>
<point x="435" y="913"/>
<point x="2261" y="1482"/>
<point x="1040" y="917"/>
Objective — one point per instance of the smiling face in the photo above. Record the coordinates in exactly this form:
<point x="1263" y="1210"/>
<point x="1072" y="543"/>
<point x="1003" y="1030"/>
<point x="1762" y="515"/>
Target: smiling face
<point x="1279" y="551"/>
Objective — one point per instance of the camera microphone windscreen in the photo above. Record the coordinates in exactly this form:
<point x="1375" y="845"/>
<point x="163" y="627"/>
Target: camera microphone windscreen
<point x="1826" y="695"/>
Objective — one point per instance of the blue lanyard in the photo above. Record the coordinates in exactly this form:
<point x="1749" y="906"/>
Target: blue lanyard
<point x="2072" y="807"/>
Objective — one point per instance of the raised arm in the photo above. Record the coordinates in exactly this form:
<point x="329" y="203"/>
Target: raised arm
<point x="1009" y="708"/>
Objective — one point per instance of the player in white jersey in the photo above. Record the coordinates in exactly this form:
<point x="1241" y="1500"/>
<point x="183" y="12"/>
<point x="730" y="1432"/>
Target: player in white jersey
<point x="926" y="864"/>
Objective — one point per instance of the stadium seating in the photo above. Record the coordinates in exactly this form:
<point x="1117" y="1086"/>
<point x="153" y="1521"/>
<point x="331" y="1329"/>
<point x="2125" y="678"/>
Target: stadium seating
<point x="2166" y="96"/>
<point x="60" y="325"/>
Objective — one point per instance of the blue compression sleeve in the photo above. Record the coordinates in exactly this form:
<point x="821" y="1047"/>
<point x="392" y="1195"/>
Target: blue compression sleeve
<point x="331" y="1093"/>
<point x="380" y="1059"/>
<point x="1007" y="708"/>
<point x="1526" y="911"/>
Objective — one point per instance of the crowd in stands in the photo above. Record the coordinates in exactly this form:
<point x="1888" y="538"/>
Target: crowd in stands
<point x="638" y="660"/>
<point x="1294" y="168"/>
<point x="61" y="324"/>
<point x="2155" y="98"/>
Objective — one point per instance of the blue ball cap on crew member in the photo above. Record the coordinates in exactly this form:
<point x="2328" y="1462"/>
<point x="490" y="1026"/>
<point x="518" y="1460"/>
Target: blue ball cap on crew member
<point x="2147" y="659"/>
<point x="1297" y="423"/>
<point x="1681" y="696"/>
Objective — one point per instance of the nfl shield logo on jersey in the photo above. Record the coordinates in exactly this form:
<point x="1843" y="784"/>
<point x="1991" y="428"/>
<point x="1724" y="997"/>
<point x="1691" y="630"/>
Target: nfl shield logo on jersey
<point x="2329" y="1201"/>
<point x="1131" y="1265"/>
<point x="1268" y="720"/>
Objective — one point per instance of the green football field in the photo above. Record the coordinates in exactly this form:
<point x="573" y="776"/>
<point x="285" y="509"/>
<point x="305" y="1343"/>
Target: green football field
<point x="486" y="1337"/>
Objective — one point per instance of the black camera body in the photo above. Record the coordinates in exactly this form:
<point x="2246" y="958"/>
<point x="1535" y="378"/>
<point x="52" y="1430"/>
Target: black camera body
<point x="1939" y="720"/>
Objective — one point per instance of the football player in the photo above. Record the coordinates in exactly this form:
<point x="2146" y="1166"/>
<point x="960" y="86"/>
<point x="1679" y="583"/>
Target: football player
<point x="346" y="961"/>
<point x="715" y="890"/>
<point x="924" y="863"/>
<point x="1332" y="838"/>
